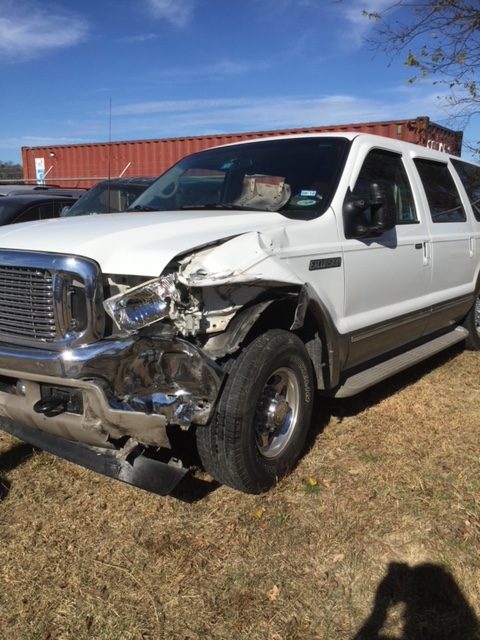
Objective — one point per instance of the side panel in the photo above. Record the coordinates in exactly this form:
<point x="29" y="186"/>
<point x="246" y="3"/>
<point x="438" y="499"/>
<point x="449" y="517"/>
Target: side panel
<point x="314" y="254"/>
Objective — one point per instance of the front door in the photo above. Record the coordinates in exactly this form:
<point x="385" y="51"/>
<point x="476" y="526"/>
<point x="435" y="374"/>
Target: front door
<point x="387" y="277"/>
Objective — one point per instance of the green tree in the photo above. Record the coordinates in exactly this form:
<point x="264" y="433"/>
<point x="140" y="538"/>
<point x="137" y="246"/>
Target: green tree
<point x="438" y="39"/>
<point x="10" y="171"/>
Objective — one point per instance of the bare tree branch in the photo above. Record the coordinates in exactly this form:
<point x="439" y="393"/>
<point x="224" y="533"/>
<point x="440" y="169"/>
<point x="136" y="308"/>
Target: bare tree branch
<point x="438" y="39"/>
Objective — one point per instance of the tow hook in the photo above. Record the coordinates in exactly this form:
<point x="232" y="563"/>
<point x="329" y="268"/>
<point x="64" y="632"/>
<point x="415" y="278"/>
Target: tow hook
<point x="53" y="406"/>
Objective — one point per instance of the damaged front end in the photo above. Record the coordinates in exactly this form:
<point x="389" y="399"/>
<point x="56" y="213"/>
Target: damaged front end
<point x="105" y="386"/>
<point x="92" y="393"/>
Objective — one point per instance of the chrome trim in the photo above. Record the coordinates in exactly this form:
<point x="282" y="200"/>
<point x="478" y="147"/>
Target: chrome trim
<point x="67" y="272"/>
<point x="388" y="325"/>
<point x="415" y="316"/>
<point x="132" y="386"/>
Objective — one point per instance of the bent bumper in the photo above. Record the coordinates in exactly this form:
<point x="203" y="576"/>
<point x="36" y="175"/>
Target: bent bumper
<point x="143" y="472"/>
<point x="131" y="387"/>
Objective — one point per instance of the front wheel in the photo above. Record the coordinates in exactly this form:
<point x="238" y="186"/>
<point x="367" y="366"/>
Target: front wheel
<point x="261" y="422"/>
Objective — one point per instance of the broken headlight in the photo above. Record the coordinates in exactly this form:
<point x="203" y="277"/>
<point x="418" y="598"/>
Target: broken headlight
<point x="143" y="305"/>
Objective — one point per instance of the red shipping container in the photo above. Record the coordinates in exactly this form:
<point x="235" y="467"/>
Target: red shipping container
<point x="83" y="165"/>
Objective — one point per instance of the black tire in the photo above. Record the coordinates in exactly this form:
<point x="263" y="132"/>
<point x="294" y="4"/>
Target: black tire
<point x="263" y="415"/>
<point x="472" y="324"/>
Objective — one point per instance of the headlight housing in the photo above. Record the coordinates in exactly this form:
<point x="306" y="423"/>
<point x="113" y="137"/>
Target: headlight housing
<point x="143" y="305"/>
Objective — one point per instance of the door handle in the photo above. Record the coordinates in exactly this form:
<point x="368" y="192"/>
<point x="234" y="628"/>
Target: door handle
<point x="427" y="253"/>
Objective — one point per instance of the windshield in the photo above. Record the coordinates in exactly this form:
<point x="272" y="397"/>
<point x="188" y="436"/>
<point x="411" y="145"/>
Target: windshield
<point x="295" y="176"/>
<point x="105" y="197"/>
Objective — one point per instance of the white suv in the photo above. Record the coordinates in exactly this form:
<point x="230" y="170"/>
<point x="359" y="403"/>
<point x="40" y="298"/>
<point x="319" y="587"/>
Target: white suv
<point x="244" y="280"/>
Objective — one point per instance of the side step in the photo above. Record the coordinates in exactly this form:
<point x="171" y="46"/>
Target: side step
<point x="364" y="379"/>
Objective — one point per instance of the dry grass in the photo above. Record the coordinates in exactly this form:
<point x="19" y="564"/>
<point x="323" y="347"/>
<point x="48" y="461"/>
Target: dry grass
<point x="378" y="527"/>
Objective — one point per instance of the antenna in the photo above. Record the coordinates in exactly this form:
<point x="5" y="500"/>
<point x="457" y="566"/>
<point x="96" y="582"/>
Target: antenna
<point x="109" y="152"/>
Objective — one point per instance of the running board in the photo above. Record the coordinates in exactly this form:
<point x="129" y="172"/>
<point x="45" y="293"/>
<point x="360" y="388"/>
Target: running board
<point x="364" y="379"/>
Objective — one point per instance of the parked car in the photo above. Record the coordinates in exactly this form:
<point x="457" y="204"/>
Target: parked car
<point x="32" y="206"/>
<point x="260" y="274"/>
<point x="110" y="196"/>
<point x="24" y="189"/>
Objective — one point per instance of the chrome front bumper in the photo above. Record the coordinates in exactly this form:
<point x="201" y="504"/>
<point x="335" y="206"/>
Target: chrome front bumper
<point x="131" y="387"/>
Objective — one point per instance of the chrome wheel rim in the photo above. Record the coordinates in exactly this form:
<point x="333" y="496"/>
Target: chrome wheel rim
<point x="277" y="412"/>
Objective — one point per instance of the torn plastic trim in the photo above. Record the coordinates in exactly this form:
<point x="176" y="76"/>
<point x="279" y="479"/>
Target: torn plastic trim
<point x="228" y="341"/>
<point x="334" y="344"/>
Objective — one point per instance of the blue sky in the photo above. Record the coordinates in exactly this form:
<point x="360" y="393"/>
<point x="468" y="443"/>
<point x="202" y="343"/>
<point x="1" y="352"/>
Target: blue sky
<point x="190" y="67"/>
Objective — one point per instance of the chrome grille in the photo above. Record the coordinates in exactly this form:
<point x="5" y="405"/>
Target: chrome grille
<point x="27" y="303"/>
<point x="50" y="300"/>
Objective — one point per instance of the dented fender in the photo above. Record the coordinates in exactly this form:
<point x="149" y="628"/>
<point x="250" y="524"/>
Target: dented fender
<point x="251" y="257"/>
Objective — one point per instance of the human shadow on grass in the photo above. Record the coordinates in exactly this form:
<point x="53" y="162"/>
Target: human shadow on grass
<point x="11" y="459"/>
<point x="326" y="407"/>
<point x="434" y="607"/>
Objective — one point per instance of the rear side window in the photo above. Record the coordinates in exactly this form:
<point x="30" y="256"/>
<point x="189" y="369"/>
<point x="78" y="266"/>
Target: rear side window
<point x="470" y="176"/>
<point x="442" y="195"/>
<point x="33" y="213"/>
<point x="42" y="211"/>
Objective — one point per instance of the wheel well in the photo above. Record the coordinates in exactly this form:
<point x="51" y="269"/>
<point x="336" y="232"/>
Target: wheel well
<point x="278" y="315"/>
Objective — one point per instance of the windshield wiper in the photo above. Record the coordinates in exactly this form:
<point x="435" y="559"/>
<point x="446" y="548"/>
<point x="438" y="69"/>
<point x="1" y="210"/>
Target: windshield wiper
<point x="141" y="207"/>
<point x="226" y="206"/>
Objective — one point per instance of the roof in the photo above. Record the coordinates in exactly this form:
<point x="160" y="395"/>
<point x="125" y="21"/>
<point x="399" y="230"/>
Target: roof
<point x="390" y="143"/>
<point x="34" y="198"/>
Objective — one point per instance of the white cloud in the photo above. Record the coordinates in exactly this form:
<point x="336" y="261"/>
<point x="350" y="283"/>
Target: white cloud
<point x="177" y="106"/>
<point x="202" y="116"/>
<point x="216" y="71"/>
<point x="177" y="12"/>
<point x="28" y="29"/>
<point x="359" y="24"/>
<point x="199" y="116"/>
<point x="16" y="142"/>
<point x="141" y="37"/>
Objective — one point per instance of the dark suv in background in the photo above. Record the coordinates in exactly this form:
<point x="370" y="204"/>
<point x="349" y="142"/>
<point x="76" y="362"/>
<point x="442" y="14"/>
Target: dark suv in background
<point x="32" y="206"/>
<point x="110" y="196"/>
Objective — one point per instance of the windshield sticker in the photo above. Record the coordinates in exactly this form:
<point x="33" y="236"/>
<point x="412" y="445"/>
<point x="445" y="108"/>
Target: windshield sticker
<point x="305" y="203"/>
<point x="308" y="193"/>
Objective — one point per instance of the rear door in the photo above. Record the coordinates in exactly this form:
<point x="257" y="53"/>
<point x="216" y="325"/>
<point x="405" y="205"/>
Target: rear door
<point x="453" y="248"/>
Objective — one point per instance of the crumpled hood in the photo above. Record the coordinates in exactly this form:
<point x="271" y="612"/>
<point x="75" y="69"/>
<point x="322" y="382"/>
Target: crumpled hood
<point x="133" y="243"/>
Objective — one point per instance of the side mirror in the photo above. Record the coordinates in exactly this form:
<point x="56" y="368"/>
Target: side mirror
<point x="354" y="221"/>
<point x="369" y="217"/>
<point x="383" y="209"/>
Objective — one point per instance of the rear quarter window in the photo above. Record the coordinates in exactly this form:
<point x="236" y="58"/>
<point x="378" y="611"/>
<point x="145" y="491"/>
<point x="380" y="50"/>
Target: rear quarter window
<point x="469" y="174"/>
